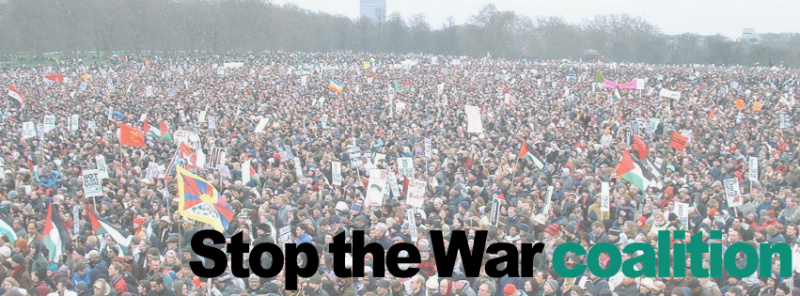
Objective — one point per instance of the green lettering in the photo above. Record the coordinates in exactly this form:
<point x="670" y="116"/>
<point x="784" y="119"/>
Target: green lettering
<point x="614" y="261"/>
<point x="558" y="260"/>
<point x="697" y="248"/>
<point x="765" y="261"/>
<point x="749" y="253"/>
<point x="663" y="253"/>
<point x="648" y="260"/>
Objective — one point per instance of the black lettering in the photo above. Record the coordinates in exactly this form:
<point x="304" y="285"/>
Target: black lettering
<point x="237" y="249"/>
<point x="255" y="260"/>
<point x="208" y="252"/>
<point x="339" y="249"/>
<point x="508" y="263"/>
<point x="529" y="252"/>
<point x="360" y="251"/>
<point x="293" y="270"/>
<point x="393" y="260"/>
<point x="445" y="261"/>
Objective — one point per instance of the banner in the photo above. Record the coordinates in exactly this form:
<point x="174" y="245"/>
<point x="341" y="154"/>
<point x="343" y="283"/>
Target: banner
<point x="101" y="166"/>
<point x="49" y="123"/>
<point x="605" y="202"/>
<point x="428" y="152"/>
<point x="665" y="93"/>
<point x="377" y="184"/>
<point x="416" y="193"/>
<point x="474" y="124"/>
<point x="392" y="180"/>
<point x="73" y="125"/>
<point x="678" y="141"/>
<point x="91" y="183"/>
<point x="753" y="168"/>
<point x="298" y="168"/>
<point x="405" y="166"/>
<point x="682" y="211"/>
<point x="610" y="84"/>
<point x="732" y="192"/>
<point x="28" y="130"/>
<point x="336" y="174"/>
<point x="627" y="85"/>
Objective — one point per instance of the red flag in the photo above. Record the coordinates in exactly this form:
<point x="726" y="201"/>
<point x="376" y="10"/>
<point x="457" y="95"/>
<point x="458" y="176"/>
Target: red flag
<point x="372" y="74"/>
<point x="164" y="129"/>
<point x="131" y="136"/>
<point x="711" y="115"/>
<point x="678" y="141"/>
<point x="640" y="147"/>
<point x="55" y="78"/>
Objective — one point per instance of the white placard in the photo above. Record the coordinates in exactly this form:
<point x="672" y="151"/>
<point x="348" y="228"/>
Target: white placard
<point x="400" y="106"/>
<point x="49" y="123"/>
<point x="440" y="88"/>
<point x="547" y="200"/>
<point x="102" y="167"/>
<point x="110" y="112"/>
<point x="682" y="211"/>
<point x="91" y="183"/>
<point x="428" y="145"/>
<point x="285" y="234"/>
<point x="324" y="121"/>
<point x="355" y="157"/>
<point x="379" y="157"/>
<point x="224" y="171"/>
<point x="732" y="192"/>
<point x="298" y="168"/>
<point x="416" y="193"/>
<point x="28" y="130"/>
<point x="40" y="131"/>
<point x="245" y="172"/>
<point x="202" y="117"/>
<point x="91" y="125"/>
<point x="74" y="122"/>
<point x="148" y="91"/>
<point x="605" y="198"/>
<point x="405" y="166"/>
<point x="659" y="161"/>
<point x="336" y="174"/>
<point x="262" y="124"/>
<point x="474" y="124"/>
<point x="753" y="168"/>
<point x="412" y="224"/>
<point x="665" y="93"/>
<point x="640" y="84"/>
<point x="377" y="184"/>
<point x="392" y="180"/>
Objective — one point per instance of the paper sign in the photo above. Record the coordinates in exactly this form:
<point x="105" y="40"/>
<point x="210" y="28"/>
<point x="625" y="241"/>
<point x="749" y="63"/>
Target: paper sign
<point x="298" y="168"/>
<point x="605" y="198"/>
<point x="547" y="200"/>
<point x="428" y="145"/>
<point x="377" y="184"/>
<point x="355" y="157"/>
<point x="412" y="224"/>
<point x="91" y="183"/>
<point x="474" y="124"/>
<point x="102" y="167"/>
<point x="28" y="130"/>
<point x="665" y="93"/>
<point x="416" y="193"/>
<point x="682" y="211"/>
<point x="753" y="168"/>
<point x="336" y="167"/>
<point x="49" y="123"/>
<point x="392" y="180"/>
<point x="405" y="166"/>
<point x="74" y="123"/>
<point x="262" y="124"/>
<point x="245" y="172"/>
<point x="732" y="192"/>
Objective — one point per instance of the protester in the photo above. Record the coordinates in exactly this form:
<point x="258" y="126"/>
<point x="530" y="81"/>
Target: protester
<point x="281" y="115"/>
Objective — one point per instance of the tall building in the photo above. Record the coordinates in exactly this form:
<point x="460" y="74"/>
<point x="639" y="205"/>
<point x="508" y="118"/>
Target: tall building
<point x="374" y="9"/>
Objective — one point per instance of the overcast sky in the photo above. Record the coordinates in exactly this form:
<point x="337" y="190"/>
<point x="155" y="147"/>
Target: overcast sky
<point x="705" y="17"/>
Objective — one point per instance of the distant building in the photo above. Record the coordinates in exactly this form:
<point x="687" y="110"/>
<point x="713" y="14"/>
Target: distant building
<point x="374" y="9"/>
<point x="750" y="35"/>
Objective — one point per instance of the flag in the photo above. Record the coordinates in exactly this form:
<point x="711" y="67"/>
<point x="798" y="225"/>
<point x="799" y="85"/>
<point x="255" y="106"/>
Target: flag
<point x="599" y="77"/>
<point x="131" y="136"/>
<point x="55" y="78"/>
<point x="6" y="229"/>
<point x="510" y="100"/>
<point x="678" y="141"/>
<point x="122" y="238"/>
<point x="254" y="176"/>
<point x="407" y="85"/>
<point x="199" y="201"/>
<point x="711" y="115"/>
<point x="52" y="236"/>
<point x="185" y="158"/>
<point x="631" y="171"/>
<point x="164" y="128"/>
<point x="617" y="96"/>
<point x="639" y="147"/>
<point x="16" y="97"/>
<point x="740" y="104"/>
<point x="396" y="86"/>
<point x="335" y="86"/>
<point x="525" y="153"/>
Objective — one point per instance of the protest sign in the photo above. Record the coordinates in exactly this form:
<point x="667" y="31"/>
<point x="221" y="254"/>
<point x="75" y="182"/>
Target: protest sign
<point x="336" y="174"/>
<point x="92" y="186"/>
<point x="605" y="198"/>
<point x="416" y="193"/>
<point x="732" y="192"/>
<point x="405" y="166"/>
<point x="377" y="184"/>
<point x="474" y="124"/>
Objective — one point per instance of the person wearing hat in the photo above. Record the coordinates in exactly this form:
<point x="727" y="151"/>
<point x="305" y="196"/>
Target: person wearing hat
<point x="82" y="289"/>
<point x="18" y="271"/>
<point x="646" y="287"/>
<point x="383" y="288"/>
<point x="550" y="288"/>
<point x="462" y="285"/>
<point x="511" y="290"/>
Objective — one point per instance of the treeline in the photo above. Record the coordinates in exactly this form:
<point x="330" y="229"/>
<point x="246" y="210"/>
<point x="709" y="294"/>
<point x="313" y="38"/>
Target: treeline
<point x="238" y="26"/>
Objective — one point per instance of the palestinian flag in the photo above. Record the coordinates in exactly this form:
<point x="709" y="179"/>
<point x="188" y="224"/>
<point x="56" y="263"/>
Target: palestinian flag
<point x="54" y="78"/>
<point x="630" y="170"/>
<point x="407" y="85"/>
<point x="148" y="129"/>
<point x="52" y="236"/>
<point x="254" y="176"/>
<point x="639" y="147"/>
<point x="16" y="98"/>
<point x="122" y="238"/>
<point x="617" y="96"/>
<point x="6" y="229"/>
<point x="530" y="155"/>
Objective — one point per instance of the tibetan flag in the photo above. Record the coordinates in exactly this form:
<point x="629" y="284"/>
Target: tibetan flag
<point x="678" y="141"/>
<point x="55" y="78"/>
<point x="131" y="136"/>
<point x="6" y="229"/>
<point x="335" y="86"/>
<point x="199" y="201"/>
<point x="711" y="115"/>
<point x="639" y="147"/>
<point x="16" y="98"/>
<point x="52" y="236"/>
<point x="525" y="153"/>
<point x="99" y="226"/>
<point x="632" y="172"/>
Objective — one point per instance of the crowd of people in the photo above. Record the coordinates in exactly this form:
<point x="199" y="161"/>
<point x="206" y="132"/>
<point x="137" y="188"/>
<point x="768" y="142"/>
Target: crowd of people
<point x="389" y="106"/>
